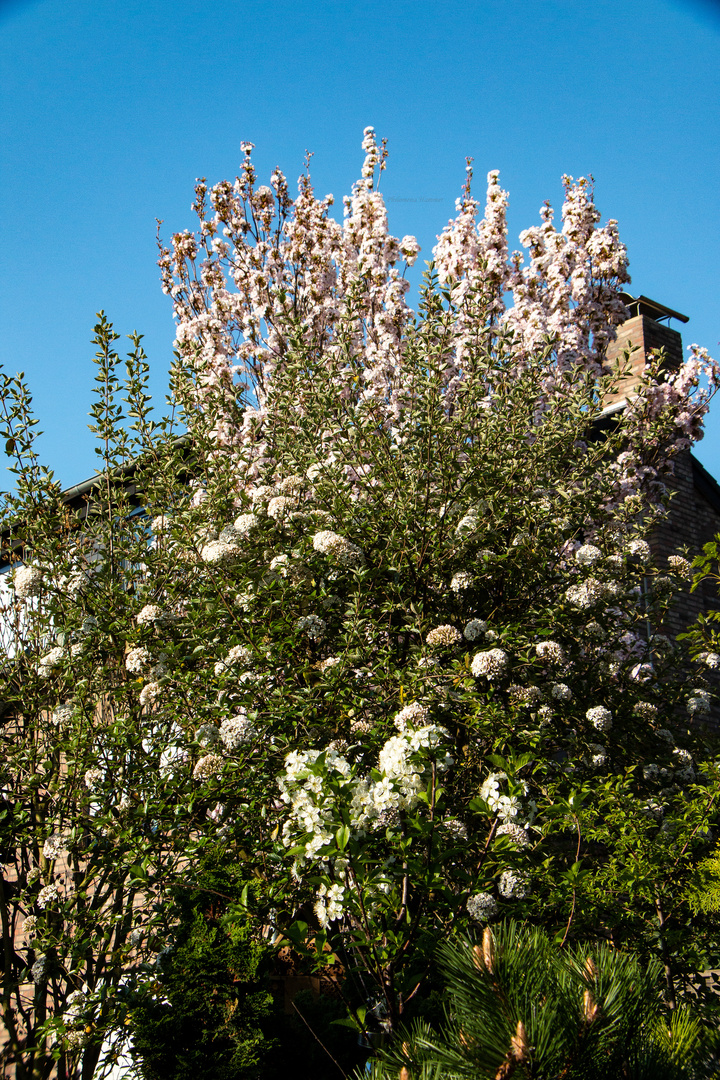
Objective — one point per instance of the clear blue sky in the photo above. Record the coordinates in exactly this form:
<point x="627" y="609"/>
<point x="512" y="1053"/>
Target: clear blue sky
<point x="112" y="108"/>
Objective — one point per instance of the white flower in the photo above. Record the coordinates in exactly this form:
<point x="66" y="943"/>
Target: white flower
<point x="699" y="704"/>
<point x="414" y="714"/>
<point x="62" y="715"/>
<point x="47" y="895"/>
<point x="600" y="717"/>
<point x="514" y="832"/>
<point x="468" y="524"/>
<point x="29" y="928"/>
<point x="639" y="549"/>
<point x="150" y="614"/>
<point x="279" y="507"/>
<point x="561" y="692"/>
<point x="312" y="625"/>
<point x="481" y="907"/>
<point x="550" y="651"/>
<point x="491" y="664"/>
<point x="681" y="566"/>
<point x="235" y="731"/>
<point x="218" y="552"/>
<point x="93" y="777"/>
<point x="598" y="755"/>
<point x="588" y="554"/>
<point x="50" y="660"/>
<point x="711" y="659"/>
<point x="461" y="581"/>
<point x="245" y="524"/>
<point x="474" y="629"/>
<point x="27" y="581"/>
<point x="645" y="710"/>
<point x="587" y="593"/>
<point x="55" y="845"/>
<point x="208" y="766"/>
<point x="512" y="885"/>
<point x="207" y="735"/>
<point x="444" y="635"/>
<point x="328" y="663"/>
<point x="138" y="660"/>
<point x="338" y="548"/>
<point x="150" y="693"/>
<point x="239" y="655"/>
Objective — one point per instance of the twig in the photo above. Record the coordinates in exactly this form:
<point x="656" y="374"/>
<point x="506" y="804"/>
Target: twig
<point x="319" y="1041"/>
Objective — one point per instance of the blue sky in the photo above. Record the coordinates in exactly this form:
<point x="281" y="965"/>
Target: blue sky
<point x="110" y="110"/>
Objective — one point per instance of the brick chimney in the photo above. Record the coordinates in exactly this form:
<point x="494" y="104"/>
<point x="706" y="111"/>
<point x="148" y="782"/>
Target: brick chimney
<point x="644" y="331"/>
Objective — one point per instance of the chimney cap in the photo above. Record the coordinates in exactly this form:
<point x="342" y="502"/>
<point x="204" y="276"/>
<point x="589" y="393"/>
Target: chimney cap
<point x="643" y="305"/>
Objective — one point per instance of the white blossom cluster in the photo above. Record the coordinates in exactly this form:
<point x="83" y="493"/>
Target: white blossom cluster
<point x="586" y="594"/>
<point x="507" y="808"/>
<point x="239" y="656"/>
<point x="461" y="582"/>
<point x="680" y="566"/>
<point x="150" y="694"/>
<point x="93" y="777"/>
<point x="245" y="523"/>
<point x="150" y="615"/>
<point x="474" y="629"/>
<point x="482" y="907"/>
<point x="236" y="730"/>
<point x="218" y="552"/>
<point x="414" y="714"/>
<point x="512" y="886"/>
<point x="640" y="550"/>
<point x="47" y="895"/>
<point x="27" y="581"/>
<point x="588" y="555"/>
<point x="207" y="767"/>
<point x="50" y="660"/>
<point x="138" y="660"/>
<point x="645" y="710"/>
<point x="281" y="507"/>
<point x="329" y="904"/>
<point x="550" y="652"/>
<point x="490" y="665"/>
<point x="338" y="548"/>
<point x="312" y="625"/>
<point x="600" y="717"/>
<point x="699" y="704"/>
<point x="55" y="845"/>
<point x="443" y="635"/>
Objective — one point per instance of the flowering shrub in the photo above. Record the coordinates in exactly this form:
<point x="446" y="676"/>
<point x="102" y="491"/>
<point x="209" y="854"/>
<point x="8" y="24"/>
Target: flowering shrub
<point x="382" y="622"/>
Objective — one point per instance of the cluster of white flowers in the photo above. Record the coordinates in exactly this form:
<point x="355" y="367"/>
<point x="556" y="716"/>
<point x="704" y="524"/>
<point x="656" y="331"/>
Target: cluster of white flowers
<point x="312" y="625"/>
<point x="328" y="663"/>
<point x="50" y="660"/>
<point x="680" y="566"/>
<point x="47" y="895"/>
<point x="55" y="845"/>
<point x="588" y="555"/>
<point x="598" y="755"/>
<point x="239" y="656"/>
<point x="245" y="523"/>
<point x="525" y="695"/>
<point x="710" y="659"/>
<point x="414" y="714"/>
<point x="586" y="594"/>
<point x="27" y="581"/>
<point x="338" y="548"/>
<point x="93" y="777"/>
<point x="468" y="524"/>
<point x="461" y="581"/>
<point x="508" y="808"/>
<point x="138" y="660"/>
<point x="645" y="710"/>
<point x="514" y="832"/>
<point x="699" y="704"/>
<point x="329" y="904"/>
<point x="150" y="615"/>
<point x="481" y="907"/>
<point x="207" y="767"/>
<point x="561" y="692"/>
<point x="491" y="664"/>
<point x="444" y="635"/>
<point x="62" y="715"/>
<point x="600" y="717"/>
<point x="218" y="552"/>
<point x="281" y="507"/>
<point x="150" y="693"/>
<point x="236" y="730"/>
<point x="474" y="629"/>
<point x="30" y="928"/>
<point x="207" y="734"/>
<point x="512" y="886"/>
<point x="640" y="550"/>
<point x="550" y="651"/>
